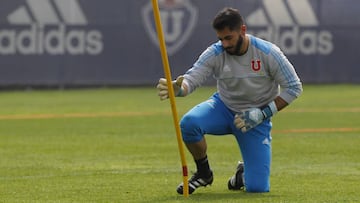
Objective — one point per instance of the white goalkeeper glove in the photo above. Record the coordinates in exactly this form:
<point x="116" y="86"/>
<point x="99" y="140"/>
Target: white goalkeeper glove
<point x="163" y="88"/>
<point x="246" y="120"/>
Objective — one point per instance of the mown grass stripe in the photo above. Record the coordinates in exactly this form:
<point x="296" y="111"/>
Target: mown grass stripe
<point x="318" y="130"/>
<point x="135" y="113"/>
<point x="76" y="115"/>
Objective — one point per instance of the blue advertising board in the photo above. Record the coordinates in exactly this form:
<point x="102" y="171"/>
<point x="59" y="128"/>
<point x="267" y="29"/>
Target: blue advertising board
<point x="113" y="42"/>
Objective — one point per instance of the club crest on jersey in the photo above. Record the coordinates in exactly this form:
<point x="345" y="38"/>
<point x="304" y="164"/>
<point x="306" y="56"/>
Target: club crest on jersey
<point x="178" y="18"/>
<point x="256" y="65"/>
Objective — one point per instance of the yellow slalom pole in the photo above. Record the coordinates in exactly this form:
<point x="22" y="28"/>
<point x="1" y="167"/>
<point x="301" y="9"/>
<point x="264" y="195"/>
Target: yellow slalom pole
<point x="168" y="77"/>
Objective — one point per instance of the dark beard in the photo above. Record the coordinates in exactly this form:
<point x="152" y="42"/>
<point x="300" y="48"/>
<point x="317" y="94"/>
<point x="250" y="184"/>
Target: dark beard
<point x="237" y="47"/>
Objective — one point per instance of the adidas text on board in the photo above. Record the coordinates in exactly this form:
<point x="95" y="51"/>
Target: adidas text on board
<point x="58" y="40"/>
<point x="294" y="40"/>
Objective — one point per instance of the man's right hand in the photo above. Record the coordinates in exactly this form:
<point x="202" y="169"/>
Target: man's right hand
<point x="163" y="88"/>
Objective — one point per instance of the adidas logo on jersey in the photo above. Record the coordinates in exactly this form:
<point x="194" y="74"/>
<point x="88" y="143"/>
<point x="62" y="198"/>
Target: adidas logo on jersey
<point x="292" y="24"/>
<point x="54" y="27"/>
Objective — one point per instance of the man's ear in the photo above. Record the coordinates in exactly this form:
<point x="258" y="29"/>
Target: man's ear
<point x="243" y="29"/>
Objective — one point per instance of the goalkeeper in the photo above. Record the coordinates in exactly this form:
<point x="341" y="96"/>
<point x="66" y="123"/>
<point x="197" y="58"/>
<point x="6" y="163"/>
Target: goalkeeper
<point x="255" y="80"/>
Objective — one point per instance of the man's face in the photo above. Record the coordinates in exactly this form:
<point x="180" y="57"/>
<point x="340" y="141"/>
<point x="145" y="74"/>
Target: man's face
<point x="231" y="40"/>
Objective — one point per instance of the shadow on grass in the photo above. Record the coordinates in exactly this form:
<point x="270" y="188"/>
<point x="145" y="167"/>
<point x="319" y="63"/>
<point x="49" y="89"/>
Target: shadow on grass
<point x="218" y="197"/>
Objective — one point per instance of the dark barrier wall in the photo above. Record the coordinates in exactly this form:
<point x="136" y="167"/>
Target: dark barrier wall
<point x="113" y="42"/>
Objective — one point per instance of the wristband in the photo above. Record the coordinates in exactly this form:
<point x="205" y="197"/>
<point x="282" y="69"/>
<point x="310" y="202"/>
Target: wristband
<point x="179" y="94"/>
<point x="269" y="110"/>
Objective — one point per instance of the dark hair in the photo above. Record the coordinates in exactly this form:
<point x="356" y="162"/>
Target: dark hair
<point x="228" y="17"/>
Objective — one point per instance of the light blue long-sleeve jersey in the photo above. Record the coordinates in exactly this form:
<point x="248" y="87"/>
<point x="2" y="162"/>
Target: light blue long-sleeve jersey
<point x="251" y="80"/>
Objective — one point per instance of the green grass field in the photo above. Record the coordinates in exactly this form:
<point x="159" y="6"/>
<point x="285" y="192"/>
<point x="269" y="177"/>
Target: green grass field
<point x="119" y="145"/>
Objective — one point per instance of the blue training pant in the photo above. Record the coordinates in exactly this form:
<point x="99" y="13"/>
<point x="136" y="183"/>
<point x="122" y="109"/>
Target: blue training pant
<point x="213" y="117"/>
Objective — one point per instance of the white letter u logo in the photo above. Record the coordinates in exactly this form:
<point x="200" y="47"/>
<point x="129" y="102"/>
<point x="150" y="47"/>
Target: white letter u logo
<point x="172" y="20"/>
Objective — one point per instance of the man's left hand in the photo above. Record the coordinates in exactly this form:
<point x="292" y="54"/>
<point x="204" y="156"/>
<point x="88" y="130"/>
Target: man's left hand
<point x="246" y="120"/>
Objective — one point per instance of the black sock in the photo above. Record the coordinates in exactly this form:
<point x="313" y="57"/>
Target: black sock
<point x="203" y="167"/>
